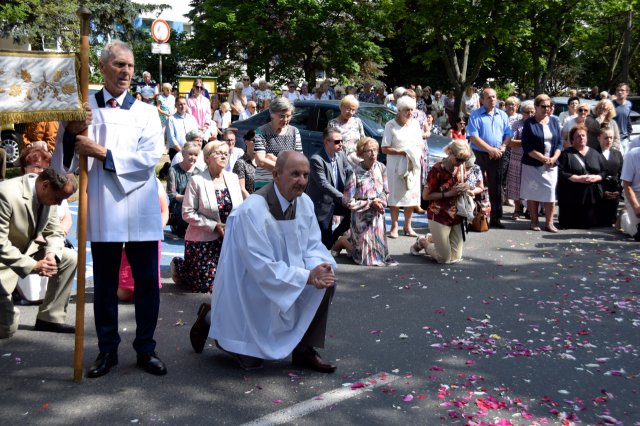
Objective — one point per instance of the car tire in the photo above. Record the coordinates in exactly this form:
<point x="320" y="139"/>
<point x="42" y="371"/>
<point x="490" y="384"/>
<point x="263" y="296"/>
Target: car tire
<point x="12" y="150"/>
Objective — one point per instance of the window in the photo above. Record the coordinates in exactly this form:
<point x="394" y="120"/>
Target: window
<point x="300" y="118"/>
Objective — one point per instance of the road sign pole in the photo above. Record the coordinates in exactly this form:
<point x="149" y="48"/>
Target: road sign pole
<point x="160" y="58"/>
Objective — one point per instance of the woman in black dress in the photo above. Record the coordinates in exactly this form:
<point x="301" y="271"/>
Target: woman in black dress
<point x="607" y="210"/>
<point x="582" y="170"/>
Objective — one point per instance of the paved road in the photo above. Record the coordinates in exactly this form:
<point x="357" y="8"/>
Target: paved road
<point x="531" y="328"/>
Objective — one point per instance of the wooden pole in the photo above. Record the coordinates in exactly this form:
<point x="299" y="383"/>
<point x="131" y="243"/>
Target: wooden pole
<point x="84" y="15"/>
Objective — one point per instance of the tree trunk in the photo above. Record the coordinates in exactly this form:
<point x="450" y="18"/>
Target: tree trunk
<point x="626" y="48"/>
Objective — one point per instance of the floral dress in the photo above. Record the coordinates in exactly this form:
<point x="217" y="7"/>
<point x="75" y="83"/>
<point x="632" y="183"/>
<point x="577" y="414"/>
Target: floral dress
<point x="352" y="131"/>
<point x="514" y="172"/>
<point x="245" y="169"/>
<point x="198" y="268"/>
<point x="368" y="233"/>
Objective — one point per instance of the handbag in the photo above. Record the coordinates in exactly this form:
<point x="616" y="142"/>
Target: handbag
<point x="480" y="221"/>
<point x="464" y="202"/>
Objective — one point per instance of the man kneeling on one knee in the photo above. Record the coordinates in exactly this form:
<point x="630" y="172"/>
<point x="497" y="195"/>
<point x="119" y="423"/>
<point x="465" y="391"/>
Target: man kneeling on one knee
<point x="32" y="242"/>
<point x="271" y="297"/>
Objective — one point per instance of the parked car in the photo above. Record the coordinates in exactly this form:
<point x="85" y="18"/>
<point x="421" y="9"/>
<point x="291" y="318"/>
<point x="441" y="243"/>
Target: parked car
<point x="312" y="117"/>
<point x="561" y="105"/>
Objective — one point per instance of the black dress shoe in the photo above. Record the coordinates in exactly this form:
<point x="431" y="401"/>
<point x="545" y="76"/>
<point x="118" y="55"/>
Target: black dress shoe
<point x="310" y="359"/>
<point x="200" y="329"/>
<point x="151" y="363"/>
<point x="53" y="327"/>
<point x="102" y="365"/>
<point x="246" y="362"/>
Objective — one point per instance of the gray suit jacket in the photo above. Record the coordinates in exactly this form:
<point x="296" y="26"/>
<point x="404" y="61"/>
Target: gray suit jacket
<point x="18" y="229"/>
<point x="322" y="189"/>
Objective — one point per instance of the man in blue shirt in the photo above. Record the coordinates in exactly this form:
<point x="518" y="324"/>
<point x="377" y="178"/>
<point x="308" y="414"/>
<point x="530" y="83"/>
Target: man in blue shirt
<point x="623" y="115"/>
<point x="490" y="133"/>
<point x="178" y="125"/>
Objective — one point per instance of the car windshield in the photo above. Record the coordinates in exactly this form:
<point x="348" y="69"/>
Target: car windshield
<point x="376" y="116"/>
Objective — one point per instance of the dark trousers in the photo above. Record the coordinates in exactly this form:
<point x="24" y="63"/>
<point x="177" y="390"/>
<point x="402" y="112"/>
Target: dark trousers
<point x="315" y="334"/>
<point x="327" y="234"/>
<point x="143" y="258"/>
<point x="492" y="171"/>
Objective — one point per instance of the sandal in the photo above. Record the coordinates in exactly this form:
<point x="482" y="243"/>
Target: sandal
<point x="535" y="227"/>
<point x="551" y="228"/>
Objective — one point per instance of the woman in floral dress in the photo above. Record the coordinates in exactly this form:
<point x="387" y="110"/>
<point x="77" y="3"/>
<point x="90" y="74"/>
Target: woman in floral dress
<point x="208" y="200"/>
<point x="350" y="127"/>
<point x="365" y="195"/>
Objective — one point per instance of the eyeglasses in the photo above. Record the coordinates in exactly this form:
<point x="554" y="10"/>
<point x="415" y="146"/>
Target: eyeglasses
<point x="198" y="87"/>
<point x="245" y="79"/>
<point x="220" y="154"/>
<point x="509" y="104"/>
<point x="337" y="141"/>
<point x="460" y="160"/>
<point x="370" y="151"/>
<point x="228" y="140"/>
<point x="583" y="110"/>
<point x="544" y="106"/>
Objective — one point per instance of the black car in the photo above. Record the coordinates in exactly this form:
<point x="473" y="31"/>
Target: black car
<point x="312" y="117"/>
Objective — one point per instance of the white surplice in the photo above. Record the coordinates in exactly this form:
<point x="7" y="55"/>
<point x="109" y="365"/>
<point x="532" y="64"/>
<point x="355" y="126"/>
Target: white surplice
<point x="261" y="303"/>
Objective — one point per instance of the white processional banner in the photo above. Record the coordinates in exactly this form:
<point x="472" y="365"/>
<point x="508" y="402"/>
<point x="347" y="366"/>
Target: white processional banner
<point x="38" y="86"/>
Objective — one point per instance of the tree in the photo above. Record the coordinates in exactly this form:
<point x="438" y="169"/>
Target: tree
<point x="40" y="22"/>
<point x="281" y="39"/>
<point x="464" y="35"/>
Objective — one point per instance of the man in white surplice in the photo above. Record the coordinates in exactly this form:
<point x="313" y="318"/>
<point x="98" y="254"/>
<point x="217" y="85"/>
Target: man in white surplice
<point x="275" y="278"/>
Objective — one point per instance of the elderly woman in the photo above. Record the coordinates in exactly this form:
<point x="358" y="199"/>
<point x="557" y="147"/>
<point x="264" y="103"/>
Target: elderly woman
<point x="305" y="95"/>
<point x="350" y="127"/>
<point x="275" y="137"/>
<point x="222" y="116"/>
<point x="237" y="101"/>
<point x="263" y="95"/>
<point x="445" y="183"/>
<point x="208" y="200"/>
<point x="582" y="170"/>
<point x="607" y="209"/>
<point x="541" y="147"/>
<point x="582" y="118"/>
<point x="403" y="144"/>
<point x="604" y="114"/>
<point x="365" y="194"/>
<point x="177" y="179"/>
<point x="514" y="171"/>
<point x="245" y="167"/>
<point x="193" y="136"/>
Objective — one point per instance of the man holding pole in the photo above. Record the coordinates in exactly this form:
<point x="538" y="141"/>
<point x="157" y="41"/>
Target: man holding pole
<point x="123" y="146"/>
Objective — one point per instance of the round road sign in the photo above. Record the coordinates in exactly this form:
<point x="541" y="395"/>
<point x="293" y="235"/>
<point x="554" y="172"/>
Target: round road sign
<point x="160" y="30"/>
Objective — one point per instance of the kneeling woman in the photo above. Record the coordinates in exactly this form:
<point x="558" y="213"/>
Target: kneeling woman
<point x="444" y="185"/>
<point x="365" y="195"/>
<point x="208" y="200"/>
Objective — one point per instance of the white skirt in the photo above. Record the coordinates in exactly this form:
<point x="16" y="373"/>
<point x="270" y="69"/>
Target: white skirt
<point x="538" y="183"/>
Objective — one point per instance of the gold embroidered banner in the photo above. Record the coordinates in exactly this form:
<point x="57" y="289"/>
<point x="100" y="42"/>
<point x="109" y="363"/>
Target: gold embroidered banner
<point x="38" y="86"/>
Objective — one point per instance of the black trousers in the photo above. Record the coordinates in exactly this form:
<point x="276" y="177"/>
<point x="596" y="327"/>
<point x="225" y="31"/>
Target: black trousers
<point x="315" y="334"/>
<point x="492" y="171"/>
<point x="143" y="258"/>
<point x="327" y="234"/>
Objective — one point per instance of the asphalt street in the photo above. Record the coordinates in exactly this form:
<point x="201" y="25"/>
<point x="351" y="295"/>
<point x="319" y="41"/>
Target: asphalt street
<point x="530" y="328"/>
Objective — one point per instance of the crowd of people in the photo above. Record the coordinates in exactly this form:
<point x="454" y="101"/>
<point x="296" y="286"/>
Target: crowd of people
<point x="263" y="226"/>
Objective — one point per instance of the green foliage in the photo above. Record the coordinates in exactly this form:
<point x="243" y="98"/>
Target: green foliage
<point x="283" y="39"/>
<point x="35" y="21"/>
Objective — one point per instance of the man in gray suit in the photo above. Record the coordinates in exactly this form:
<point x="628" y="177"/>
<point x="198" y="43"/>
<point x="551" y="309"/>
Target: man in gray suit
<point x="32" y="242"/>
<point x="327" y="179"/>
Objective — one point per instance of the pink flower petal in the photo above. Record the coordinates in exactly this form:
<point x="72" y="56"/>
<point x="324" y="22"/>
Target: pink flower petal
<point x="408" y="398"/>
